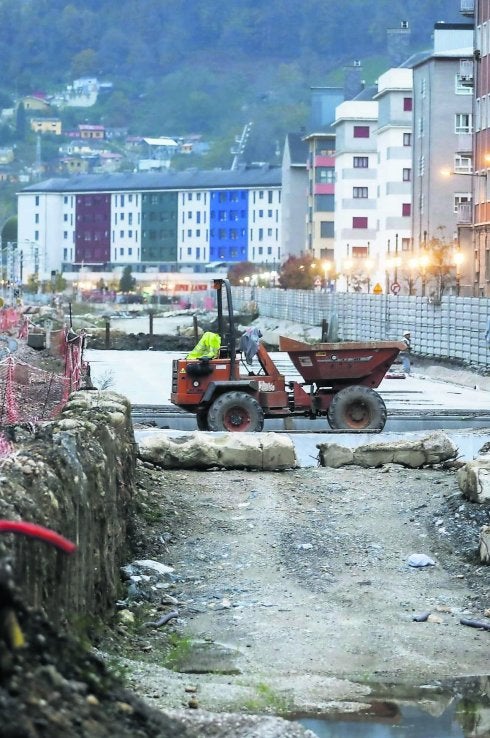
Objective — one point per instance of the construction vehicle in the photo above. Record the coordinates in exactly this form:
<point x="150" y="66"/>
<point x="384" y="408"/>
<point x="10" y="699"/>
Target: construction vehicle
<point x="227" y="394"/>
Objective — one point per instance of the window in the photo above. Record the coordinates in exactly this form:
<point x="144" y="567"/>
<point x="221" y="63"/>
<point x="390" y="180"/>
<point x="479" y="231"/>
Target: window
<point x="121" y="234"/>
<point x="36" y="218"/>
<point x="261" y="234"/>
<point x="130" y="218"/>
<point x="324" y="203"/>
<point x="130" y="251"/>
<point x="461" y="198"/>
<point x="269" y="197"/>
<point x="327" y="229"/>
<point x="407" y="139"/>
<point x="324" y="175"/>
<point x="359" y="192"/>
<point x="462" y="84"/>
<point x="189" y="233"/>
<point x="361" y="162"/>
<point x="407" y="175"/>
<point x="189" y="196"/>
<point x="65" y="235"/>
<point x="261" y="195"/>
<point x="406" y="209"/>
<point x="36" y="200"/>
<point x="361" y="131"/>
<point x="406" y="243"/>
<point x="358" y="222"/>
<point x="463" y="163"/>
<point x="463" y="123"/>
<point x="407" y="104"/>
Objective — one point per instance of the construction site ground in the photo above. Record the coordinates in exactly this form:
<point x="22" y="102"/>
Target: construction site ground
<point x="294" y="592"/>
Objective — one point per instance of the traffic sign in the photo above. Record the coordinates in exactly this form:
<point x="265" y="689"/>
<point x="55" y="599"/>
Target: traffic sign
<point x="377" y="289"/>
<point x="395" y="288"/>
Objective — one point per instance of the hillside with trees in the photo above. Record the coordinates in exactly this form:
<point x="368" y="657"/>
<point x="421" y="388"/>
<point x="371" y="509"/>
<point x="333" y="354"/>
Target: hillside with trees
<point x="202" y="66"/>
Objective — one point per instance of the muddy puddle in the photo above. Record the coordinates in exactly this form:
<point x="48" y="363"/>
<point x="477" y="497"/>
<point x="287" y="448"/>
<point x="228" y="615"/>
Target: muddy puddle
<point x="464" y="712"/>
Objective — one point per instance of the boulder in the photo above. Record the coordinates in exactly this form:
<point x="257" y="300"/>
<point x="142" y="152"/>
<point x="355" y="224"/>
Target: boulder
<point x="200" y="450"/>
<point x="335" y="455"/>
<point x="485" y="544"/>
<point x="474" y="479"/>
<point x="426" y="451"/>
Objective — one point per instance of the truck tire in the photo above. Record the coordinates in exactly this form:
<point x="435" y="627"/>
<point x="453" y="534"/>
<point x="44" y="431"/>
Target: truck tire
<point x="202" y="420"/>
<point x="235" y="411"/>
<point x="357" y="408"/>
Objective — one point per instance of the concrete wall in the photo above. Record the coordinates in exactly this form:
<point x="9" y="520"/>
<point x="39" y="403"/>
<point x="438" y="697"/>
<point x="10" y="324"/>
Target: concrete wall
<point x="453" y="329"/>
<point x="73" y="475"/>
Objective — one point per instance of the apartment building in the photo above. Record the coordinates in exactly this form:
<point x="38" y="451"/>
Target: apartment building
<point x="475" y="239"/>
<point x="442" y="136"/>
<point x="356" y="167"/>
<point x="294" y="194"/>
<point x="151" y="221"/>
<point x="393" y="243"/>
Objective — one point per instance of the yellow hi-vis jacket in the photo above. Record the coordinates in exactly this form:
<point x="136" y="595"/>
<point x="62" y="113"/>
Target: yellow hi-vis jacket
<point x="208" y="347"/>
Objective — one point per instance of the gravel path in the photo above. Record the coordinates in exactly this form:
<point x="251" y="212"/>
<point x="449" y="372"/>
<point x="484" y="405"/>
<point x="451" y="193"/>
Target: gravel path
<point x="299" y="581"/>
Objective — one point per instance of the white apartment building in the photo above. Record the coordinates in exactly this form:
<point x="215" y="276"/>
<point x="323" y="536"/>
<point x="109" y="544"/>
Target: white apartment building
<point x="125" y="225"/>
<point x="373" y="168"/>
<point x="393" y="244"/>
<point x="193" y="218"/>
<point x="264" y="224"/>
<point x="356" y="164"/>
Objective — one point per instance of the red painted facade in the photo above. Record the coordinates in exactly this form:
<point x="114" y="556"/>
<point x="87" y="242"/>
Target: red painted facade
<point x="93" y="229"/>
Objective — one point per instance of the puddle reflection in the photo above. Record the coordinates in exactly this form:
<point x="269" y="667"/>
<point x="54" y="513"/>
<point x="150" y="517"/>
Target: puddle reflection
<point x="459" y="718"/>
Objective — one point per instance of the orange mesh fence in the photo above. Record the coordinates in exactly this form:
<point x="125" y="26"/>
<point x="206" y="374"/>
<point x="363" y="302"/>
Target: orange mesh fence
<point x="29" y="394"/>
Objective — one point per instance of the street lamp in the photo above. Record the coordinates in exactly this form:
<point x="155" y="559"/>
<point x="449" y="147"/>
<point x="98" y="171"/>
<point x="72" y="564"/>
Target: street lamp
<point x="327" y="266"/>
<point x="458" y="260"/>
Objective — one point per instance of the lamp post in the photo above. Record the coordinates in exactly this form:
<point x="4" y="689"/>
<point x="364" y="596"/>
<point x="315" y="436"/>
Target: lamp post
<point x="326" y="271"/>
<point x="458" y="260"/>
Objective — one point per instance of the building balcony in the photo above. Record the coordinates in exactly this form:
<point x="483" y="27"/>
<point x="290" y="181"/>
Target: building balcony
<point x="466" y="73"/>
<point x="467" y="8"/>
<point x="465" y="213"/>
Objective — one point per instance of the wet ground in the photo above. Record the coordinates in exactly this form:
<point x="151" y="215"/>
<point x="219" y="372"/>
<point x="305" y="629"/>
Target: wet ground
<point x="294" y="594"/>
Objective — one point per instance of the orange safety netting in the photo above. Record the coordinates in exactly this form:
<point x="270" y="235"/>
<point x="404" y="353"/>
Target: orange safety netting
<point x="29" y="394"/>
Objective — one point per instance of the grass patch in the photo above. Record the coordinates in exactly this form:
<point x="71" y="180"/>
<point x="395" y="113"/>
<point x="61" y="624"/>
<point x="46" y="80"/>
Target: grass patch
<point x="179" y="648"/>
<point x="267" y="700"/>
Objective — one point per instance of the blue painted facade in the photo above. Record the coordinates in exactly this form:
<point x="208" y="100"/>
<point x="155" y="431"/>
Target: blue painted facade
<point x="228" y="226"/>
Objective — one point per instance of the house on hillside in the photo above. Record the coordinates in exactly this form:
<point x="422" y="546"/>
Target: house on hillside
<point x="91" y="132"/>
<point x="36" y="104"/>
<point x="46" y="125"/>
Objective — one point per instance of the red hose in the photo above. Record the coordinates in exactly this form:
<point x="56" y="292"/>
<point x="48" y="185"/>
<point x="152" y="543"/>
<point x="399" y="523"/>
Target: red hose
<point x="37" y="531"/>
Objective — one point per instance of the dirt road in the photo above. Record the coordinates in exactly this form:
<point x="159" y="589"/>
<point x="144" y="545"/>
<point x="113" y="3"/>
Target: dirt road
<point x="293" y="589"/>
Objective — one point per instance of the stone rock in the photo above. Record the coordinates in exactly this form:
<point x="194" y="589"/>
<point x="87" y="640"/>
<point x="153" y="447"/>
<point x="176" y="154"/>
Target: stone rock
<point x="335" y="455"/>
<point x="268" y="451"/>
<point x="485" y="544"/>
<point x="426" y="451"/>
<point x="474" y="479"/>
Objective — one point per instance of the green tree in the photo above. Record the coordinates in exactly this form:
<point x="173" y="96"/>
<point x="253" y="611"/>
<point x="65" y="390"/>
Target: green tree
<point x="127" y="282"/>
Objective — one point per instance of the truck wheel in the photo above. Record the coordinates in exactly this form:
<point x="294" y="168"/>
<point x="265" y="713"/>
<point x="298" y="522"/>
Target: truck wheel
<point x="202" y="420"/>
<point x="235" y="411"/>
<point x="357" y="408"/>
